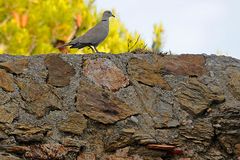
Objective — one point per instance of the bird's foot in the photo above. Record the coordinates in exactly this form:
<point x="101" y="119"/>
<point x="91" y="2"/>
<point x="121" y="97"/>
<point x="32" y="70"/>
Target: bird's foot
<point x="96" y="49"/>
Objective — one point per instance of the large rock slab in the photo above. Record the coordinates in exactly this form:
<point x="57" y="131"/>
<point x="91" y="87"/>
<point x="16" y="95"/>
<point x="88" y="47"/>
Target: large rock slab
<point x="234" y="81"/>
<point x="114" y="140"/>
<point x="71" y="142"/>
<point x="59" y="71"/>
<point x="39" y="97"/>
<point x="147" y="73"/>
<point x="29" y="133"/>
<point x="4" y="98"/>
<point x="75" y="123"/>
<point x="187" y="65"/>
<point x="8" y="113"/>
<point x="151" y="73"/>
<point x="163" y="116"/>
<point x="196" y="97"/>
<point x="105" y="73"/>
<point x="101" y="105"/>
<point x="6" y="81"/>
<point x="16" y="67"/>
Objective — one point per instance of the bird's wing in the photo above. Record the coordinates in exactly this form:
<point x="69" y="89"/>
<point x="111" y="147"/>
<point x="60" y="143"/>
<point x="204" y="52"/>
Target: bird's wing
<point x="95" y="35"/>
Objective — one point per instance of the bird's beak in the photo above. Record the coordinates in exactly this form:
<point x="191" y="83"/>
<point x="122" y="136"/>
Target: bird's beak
<point x="113" y="16"/>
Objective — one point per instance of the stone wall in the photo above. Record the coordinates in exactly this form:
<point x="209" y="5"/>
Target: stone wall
<point x="119" y="107"/>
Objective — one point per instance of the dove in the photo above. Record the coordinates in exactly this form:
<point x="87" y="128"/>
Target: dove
<point x="94" y="36"/>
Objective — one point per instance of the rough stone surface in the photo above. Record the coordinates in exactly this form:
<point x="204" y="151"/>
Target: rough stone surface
<point x="41" y="151"/>
<point x="234" y="81"/>
<point x="191" y="65"/>
<point x="105" y="73"/>
<point x="101" y="105"/>
<point x="163" y="114"/>
<point x="47" y="151"/>
<point x="119" y="107"/>
<point x="122" y="154"/>
<point x="59" y="71"/>
<point x="237" y="149"/>
<point x="4" y="98"/>
<point x="8" y="114"/>
<point x="16" y="67"/>
<point x="71" y="142"/>
<point x="39" y="97"/>
<point x="6" y="81"/>
<point x="7" y="156"/>
<point x="202" y="130"/>
<point x="147" y="73"/>
<point x="26" y="133"/>
<point x="87" y="156"/>
<point x="75" y="123"/>
<point x="196" y="97"/>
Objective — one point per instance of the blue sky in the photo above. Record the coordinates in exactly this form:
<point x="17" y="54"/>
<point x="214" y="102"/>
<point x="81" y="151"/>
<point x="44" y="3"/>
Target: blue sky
<point x="199" y="26"/>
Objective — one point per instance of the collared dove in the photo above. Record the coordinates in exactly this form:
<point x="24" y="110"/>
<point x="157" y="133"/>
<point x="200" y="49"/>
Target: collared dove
<point x="94" y="36"/>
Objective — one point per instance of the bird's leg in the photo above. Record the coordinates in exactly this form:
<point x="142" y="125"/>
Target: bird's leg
<point x="96" y="49"/>
<point x="92" y="49"/>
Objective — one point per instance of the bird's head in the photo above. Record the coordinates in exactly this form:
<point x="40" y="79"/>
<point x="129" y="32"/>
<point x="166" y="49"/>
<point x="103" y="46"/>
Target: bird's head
<point x="107" y="15"/>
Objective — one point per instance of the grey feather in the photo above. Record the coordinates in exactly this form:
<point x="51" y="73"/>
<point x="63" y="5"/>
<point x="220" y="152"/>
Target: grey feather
<point x="94" y="36"/>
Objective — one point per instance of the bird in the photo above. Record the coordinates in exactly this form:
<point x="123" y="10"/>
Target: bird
<point x="93" y="37"/>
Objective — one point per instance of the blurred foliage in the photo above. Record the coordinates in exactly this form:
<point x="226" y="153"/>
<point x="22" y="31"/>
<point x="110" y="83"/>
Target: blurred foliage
<point x="157" y="39"/>
<point x="29" y="27"/>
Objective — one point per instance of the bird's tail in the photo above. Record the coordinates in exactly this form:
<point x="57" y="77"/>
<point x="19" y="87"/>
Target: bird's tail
<point x="62" y="46"/>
